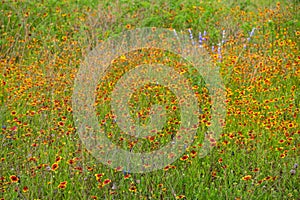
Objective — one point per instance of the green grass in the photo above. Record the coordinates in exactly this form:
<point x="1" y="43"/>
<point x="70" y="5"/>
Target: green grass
<point x="42" y="46"/>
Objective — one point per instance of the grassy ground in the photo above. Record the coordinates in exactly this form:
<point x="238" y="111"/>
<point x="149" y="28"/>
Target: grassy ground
<point x="42" y="46"/>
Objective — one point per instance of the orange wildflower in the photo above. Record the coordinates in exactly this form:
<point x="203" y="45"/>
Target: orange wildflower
<point x="25" y="189"/>
<point x="62" y="185"/>
<point x="246" y="178"/>
<point x="54" y="166"/>
<point x="185" y="157"/>
<point x="106" y="181"/>
<point x="14" y="178"/>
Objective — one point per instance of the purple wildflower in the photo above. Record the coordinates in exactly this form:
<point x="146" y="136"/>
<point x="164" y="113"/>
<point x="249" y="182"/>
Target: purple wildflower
<point x="200" y="39"/>
<point x="223" y="37"/>
<point x="293" y="172"/>
<point x="191" y="36"/>
<point x="219" y="52"/>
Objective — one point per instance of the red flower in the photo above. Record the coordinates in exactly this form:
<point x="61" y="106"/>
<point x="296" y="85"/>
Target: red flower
<point x="25" y="189"/>
<point x="98" y="176"/>
<point x="14" y="179"/>
<point x="58" y="159"/>
<point x="71" y="162"/>
<point x="185" y="157"/>
<point x="132" y="189"/>
<point x="246" y="178"/>
<point x="166" y="168"/>
<point x="106" y="181"/>
<point x="54" y="166"/>
<point x="193" y="153"/>
<point x="62" y="186"/>
<point x="256" y="170"/>
<point x="127" y="176"/>
<point x="180" y="197"/>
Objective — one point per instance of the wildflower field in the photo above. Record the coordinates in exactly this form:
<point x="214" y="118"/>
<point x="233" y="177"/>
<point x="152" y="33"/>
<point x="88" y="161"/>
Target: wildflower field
<point x="253" y="44"/>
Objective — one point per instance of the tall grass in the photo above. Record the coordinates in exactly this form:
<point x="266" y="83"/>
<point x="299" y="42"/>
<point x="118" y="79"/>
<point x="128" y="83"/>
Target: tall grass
<point x="42" y="46"/>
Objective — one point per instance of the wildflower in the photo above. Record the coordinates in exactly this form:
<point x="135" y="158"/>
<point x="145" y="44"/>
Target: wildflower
<point x="293" y="172"/>
<point x="123" y="57"/>
<point x="295" y="165"/>
<point x="213" y="173"/>
<point x="64" y="38"/>
<point x="191" y="37"/>
<point x="71" y="162"/>
<point x="62" y="185"/>
<point x="58" y="159"/>
<point x="193" y="153"/>
<point x="204" y="34"/>
<point x="100" y="185"/>
<point x="132" y="188"/>
<point x="69" y="109"/>
<point x="54" y="166"/>
<point x="153" y="29"/>
<point x="267" y="178"/>
<point x="25" y="189"/>
<point x="128" y="26"/>
<point x="98" y="176"/>
<point x="251" y="34"/>
<point x="260" y="182"/>
<point x="225" y="142"/>
<point x="48" y="168"/>
<point x="166" y="168"/>
<point x="180" y="196"/>
<point x="33" y="159"/>
<point x="219" y="52"/>
<point x="106" y="181"/>
<point x="256" y="170"/>
<point x="127" y="176"/>
<point x="14" y="179"/>
<point x="281" y="141"/>
<point x="224" y="166"/>
<point x="185" y="157"/>
<point x="200" y="39"/>
<point x="246" y="178"/>
<point x="60" y="123"/>
<point x="291" y="125"/>
<point x="223" y="36"/>
<point x="282" y="155"/>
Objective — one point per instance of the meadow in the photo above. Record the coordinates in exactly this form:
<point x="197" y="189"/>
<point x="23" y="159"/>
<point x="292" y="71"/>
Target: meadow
<point x="255" y="45"/>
